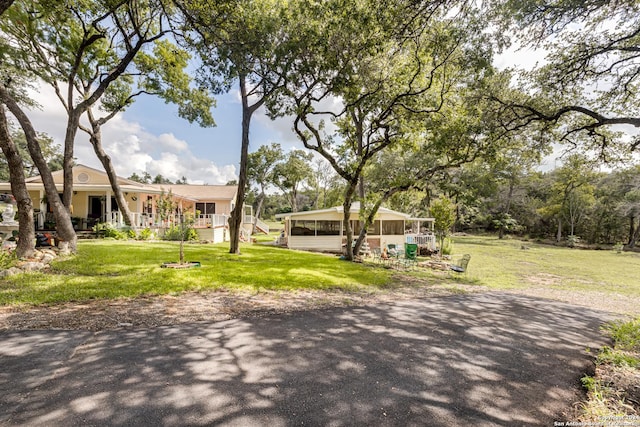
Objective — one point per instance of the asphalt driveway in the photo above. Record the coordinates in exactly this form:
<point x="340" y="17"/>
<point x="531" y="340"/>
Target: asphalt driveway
<point x="481" y="360"/>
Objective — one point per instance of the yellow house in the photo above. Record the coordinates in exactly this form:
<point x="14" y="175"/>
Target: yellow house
<point x="93" y="202"/>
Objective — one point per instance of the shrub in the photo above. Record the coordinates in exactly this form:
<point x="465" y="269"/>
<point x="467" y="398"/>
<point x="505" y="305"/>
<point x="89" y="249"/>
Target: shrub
<point x="106" y="230"/>
<point x="177" y="232"/>
<point x="447" y="246"/>
<point x="7" y="259"/>
<point x="145" y="234"/>
<point x="573" y="240"/>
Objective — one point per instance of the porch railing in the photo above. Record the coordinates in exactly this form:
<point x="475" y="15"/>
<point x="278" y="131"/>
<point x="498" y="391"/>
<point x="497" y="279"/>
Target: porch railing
<point x="428" y="240"/>
<point x="139" y="220"/>
<point x="143" y="220"/>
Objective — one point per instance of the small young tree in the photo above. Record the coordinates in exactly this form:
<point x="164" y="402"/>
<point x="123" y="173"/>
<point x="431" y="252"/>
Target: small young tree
<point x="165" y="205"/>
<point x="444" y="213"/>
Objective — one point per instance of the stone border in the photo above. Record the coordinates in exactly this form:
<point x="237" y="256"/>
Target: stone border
<point x="40" y="260"/>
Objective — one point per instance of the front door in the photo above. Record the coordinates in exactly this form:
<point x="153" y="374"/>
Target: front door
<point x="96" y="208"/>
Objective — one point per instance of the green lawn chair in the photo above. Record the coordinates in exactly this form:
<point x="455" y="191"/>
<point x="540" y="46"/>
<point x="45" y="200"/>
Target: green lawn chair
<point x="410" y="256"/>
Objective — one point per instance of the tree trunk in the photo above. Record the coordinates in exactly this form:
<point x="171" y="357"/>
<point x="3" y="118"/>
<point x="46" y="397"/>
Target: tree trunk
<point x="96" y="141"/>
<point x="346" y="206"/>
<point x="67" y="163"/>
<point x="64" y="227"/>
<point x="507" y="208"/>
<point x="559" y="233"/>
<point x="294" y="200"/>
<point x="26" y="233"/>
<point x="235" y="220"/>
<point x="634" y="238"/>
<point x="261" y="198"/>
<point x="4" y="5"/>
<point x="632" y="228"/>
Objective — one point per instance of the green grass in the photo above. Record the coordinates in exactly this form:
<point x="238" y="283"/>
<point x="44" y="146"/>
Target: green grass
<point x="112" y="269"/>
<point x="503" y="264"/>
<point x="626" y="334"/>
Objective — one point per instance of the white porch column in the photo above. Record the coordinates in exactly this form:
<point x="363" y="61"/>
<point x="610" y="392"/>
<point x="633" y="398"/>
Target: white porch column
<point x="107" y="206"/>
<point x="139" y="210"/>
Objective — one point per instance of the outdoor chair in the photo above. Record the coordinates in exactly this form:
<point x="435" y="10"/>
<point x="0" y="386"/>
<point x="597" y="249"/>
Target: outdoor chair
<point x="392" y="250"/>
<point x="377" y="255"/>
<point x="409" y="258"/>
<point x="461" y="265"/>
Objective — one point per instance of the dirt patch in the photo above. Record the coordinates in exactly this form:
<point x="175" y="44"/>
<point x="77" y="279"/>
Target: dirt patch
<point x="604" y="301"/>
<point x="625" y="383"/>
<point x="544" y="279"/>
<point x="162" y="310"/>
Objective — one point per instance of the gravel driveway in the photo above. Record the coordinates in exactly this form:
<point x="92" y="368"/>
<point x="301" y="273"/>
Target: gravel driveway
<point x="478" y="359"/>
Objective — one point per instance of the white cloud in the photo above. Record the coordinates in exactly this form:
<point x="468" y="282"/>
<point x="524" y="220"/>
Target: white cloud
<point x="131" y="147"/>
<point x="283" y="126"/>
<point x="520" y="57"/>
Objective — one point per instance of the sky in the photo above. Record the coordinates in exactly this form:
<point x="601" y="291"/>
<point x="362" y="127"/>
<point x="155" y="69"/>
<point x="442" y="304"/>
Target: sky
<point x="150" y="137"/>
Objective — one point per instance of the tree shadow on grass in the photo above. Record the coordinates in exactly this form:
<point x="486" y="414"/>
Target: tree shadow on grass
<point x="489" y="359"/>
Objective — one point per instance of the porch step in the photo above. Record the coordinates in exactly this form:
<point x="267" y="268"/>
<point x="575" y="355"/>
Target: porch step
<point x="262" y="227"/>
<point x="86" y="235"/>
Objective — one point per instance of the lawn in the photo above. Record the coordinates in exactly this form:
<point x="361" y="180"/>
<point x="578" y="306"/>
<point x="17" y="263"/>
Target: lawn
<point x="112" y="269"/>
<point x="504" y="264"/>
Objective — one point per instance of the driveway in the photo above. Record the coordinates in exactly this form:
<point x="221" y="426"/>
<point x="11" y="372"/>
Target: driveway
<point x="479" y="359"/>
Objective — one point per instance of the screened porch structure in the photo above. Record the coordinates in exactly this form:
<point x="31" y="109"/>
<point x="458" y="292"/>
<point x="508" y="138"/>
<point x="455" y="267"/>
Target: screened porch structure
<point x="324" y="230"/>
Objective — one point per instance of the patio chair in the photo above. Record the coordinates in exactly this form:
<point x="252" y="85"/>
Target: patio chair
<point x="461" y="265"/>
<point x="377" y="254"/>
<point x="409" y="258"/>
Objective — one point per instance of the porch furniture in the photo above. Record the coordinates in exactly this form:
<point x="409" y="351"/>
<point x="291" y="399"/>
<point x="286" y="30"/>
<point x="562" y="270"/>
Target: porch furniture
<point x="461" y="265"/>
<point x="391" y="250"/>
<point x="410" y="256"/>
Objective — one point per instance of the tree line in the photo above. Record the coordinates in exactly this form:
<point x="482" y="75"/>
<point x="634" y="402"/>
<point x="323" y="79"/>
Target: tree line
<point x="393" y="96"/>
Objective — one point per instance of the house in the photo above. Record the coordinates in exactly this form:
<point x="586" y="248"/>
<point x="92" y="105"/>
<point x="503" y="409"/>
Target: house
<point x="93" y="202"/>
<point x="323" y="230"/>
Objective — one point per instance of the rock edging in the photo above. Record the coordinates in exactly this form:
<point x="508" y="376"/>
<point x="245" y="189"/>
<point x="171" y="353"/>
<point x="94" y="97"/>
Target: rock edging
<point x="40" y="260"/>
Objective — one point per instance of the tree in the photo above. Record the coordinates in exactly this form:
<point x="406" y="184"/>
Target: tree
<point x="241" y="42"/>
<point x="159" y="179"/>
<point x="162" y="74"/>
<point x="571" y="193"/>
<point x="261" y="166"/>
<point x="589" y="82"/>
<point x="80" y="49"/>
<point x="144" y="179"/>
<point x="51" y="151"/>
<point x="292" y="173"/>
<point x="325" y="185"/>
<point x="443" y="213"/>
<point x="26" y="233"/>
<point x="387" y="87"/>
<point x="380" y="83"/>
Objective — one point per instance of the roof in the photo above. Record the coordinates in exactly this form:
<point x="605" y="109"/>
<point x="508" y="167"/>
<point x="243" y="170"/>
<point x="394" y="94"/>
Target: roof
<point x="86" y="178"/>
<point x="355" y="208"/>
<point x="198" y="192"/>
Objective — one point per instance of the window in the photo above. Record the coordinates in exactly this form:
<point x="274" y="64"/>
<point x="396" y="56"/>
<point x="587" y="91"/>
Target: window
<point x="303" y="228"/>
<point x="206" y="208"/>
<point x="327" y="228"/>
<point x="374" y="228"/>
<point x="393" y="228"/>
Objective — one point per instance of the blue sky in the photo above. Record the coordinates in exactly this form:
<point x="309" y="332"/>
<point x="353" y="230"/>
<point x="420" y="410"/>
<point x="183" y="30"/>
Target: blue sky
<point x="150" y="136"/>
